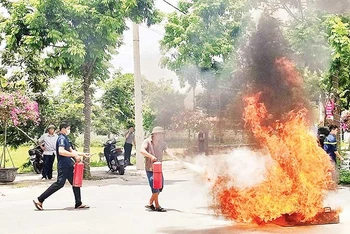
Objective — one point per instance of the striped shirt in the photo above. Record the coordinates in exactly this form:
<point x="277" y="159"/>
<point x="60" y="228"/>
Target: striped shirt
<point x="330" y="146"/>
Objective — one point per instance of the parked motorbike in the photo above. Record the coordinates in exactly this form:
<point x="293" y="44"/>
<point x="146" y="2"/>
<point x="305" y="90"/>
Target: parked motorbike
<point x="114" y="157"/>
<point x="36" y="159"/>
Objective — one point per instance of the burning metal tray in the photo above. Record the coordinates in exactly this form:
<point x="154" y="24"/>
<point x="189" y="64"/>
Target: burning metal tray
<point x="327" y="216"/>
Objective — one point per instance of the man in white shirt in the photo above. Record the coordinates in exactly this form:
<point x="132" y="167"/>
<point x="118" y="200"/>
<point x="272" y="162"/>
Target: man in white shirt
<point x="48" y="144"/>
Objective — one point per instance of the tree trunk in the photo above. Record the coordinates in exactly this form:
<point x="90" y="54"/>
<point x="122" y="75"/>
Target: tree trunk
<point x="87" y="124"/>
<point x="194" y="97"/>
<point x="337" y="110"/>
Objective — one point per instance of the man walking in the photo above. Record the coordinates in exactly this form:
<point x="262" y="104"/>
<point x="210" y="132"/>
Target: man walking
<point x="65" y="167"/>
<point x="47" y="143"/>
<point x="330" y="146"/>
<point x="152" y="149"/>
<point x="129" y="140"/>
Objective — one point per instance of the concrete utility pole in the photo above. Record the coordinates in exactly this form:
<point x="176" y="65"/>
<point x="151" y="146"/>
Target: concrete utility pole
<point x="138" y="97"/>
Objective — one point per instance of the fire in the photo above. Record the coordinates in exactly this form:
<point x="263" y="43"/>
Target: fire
<point x="295" y="183"/>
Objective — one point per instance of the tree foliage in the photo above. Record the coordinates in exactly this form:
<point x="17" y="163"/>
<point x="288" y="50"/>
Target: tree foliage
<point x="74" y="37"/>
<point x="160" y="101"/>
<point x="339" y="39"/>
<point x="164" y="101"/>
<point x="203" y="39"/>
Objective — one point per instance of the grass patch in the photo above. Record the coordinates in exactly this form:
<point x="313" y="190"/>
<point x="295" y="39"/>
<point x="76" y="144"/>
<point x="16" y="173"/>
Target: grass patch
<point x="98" y="164"/>
<point x="20" y="158"/>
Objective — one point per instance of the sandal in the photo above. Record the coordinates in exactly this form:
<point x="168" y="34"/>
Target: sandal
<point x="151" y="207"/>
<point x="38" y="205"/>
<point x="160" y="209"/>
<point x="82" y="207"/>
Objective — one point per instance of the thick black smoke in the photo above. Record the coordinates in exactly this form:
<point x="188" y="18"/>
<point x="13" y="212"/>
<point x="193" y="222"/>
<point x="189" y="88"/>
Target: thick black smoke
<point x="268" y="70"/>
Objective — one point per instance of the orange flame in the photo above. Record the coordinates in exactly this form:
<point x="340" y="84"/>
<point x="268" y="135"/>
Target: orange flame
<point x="295" y="184"/>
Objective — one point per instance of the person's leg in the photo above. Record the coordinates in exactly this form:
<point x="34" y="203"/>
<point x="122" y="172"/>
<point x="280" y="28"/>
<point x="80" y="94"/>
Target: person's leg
<point x="157" y="192"/>
<point x="336" y="174"/>
<point x="156" y="201"/>
<point x="45" y="167"/>
<point x="61" y="179"/>
<point x="50" y="166"/>
<point x="76" y="190"/>
<point x="127" y="153"/>
<point x="150" y="182"/>
<point x="151" y="200"/>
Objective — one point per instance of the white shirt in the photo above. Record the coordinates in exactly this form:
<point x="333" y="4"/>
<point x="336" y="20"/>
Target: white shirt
<point x="49" y="143"/>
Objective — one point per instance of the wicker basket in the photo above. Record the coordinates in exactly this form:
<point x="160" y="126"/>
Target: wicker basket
<point x="8" y="174"/>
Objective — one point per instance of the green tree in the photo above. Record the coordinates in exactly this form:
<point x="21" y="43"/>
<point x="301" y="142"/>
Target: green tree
<point x="118" y="98"/>
<point x="164" y="101"/>
<point x="339" y="39"/>
<point x="202" y="40"/>
<point x="67" y="106"/>
<point x="82" y="36"/>
<point x="160" y="101"/>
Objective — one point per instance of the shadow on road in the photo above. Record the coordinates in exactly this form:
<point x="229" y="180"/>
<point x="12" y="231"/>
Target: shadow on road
<point x="61" y="209"/>
<point x="241" y="228"/>
<point x="144" y="181"/>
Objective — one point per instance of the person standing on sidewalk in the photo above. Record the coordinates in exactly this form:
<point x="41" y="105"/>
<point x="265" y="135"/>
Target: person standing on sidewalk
<point x="129" y="141"/>
<point x="330" y="146"/>
<point x="152" y="149"/>
<point x="47" y="143"/>
<point x="65" y="167"/>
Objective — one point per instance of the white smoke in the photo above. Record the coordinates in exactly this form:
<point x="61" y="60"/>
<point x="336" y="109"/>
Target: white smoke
<point x="245" y="166"/>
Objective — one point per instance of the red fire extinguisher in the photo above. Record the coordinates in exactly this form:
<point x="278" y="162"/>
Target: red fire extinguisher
<point x="157" y="175"/>
<point x="78" y="174"/>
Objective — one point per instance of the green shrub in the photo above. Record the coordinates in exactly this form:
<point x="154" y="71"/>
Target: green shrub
<point x="344" y="177"/>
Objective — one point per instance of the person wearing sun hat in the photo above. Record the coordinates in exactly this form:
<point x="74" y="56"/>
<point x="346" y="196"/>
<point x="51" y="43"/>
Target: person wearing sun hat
<point x="153" y="149"/>
<point x="47" y="143"/>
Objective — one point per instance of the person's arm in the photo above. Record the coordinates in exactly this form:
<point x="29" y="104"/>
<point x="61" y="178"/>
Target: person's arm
<point x="169" y="152"/>
<point x="42" y="146"/>
<point x="334" y="144"/>
<point x="71" y="154"/>
<point x="41" y="142"/>
<point x="82" y="154"/>
<point x="338" y="155"/>
<point x="144" y="152"/>
<point x="127" y="134"/>
<point x="336" y="151"/>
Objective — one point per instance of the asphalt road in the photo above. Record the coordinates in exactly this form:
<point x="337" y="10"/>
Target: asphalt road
<point x="117" y="206"/>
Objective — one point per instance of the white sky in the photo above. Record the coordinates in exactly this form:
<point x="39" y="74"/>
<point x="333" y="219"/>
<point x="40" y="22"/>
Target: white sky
<point x="149" y="50"/>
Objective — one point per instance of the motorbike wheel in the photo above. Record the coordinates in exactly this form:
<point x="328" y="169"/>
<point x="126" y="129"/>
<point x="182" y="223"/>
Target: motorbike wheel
<point x="121" y="170"/>
<point x="38" y="167"/>
<point x="114" y="165"/>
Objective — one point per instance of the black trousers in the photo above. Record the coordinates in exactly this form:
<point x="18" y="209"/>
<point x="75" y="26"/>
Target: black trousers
<point x="48" y="165"/>
<point x="127" y="151"/>
<point x="64" y="174"/>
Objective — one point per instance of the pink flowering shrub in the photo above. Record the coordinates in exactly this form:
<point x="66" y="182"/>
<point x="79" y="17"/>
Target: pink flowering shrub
<point x="17" y="109"/>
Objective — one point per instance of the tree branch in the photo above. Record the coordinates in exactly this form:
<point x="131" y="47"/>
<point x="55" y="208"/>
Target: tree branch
<point x="61" y="47"/>
<point x="35" y="142"/>
<point x="301" y="10"/>
<point x="284" y="5"/>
